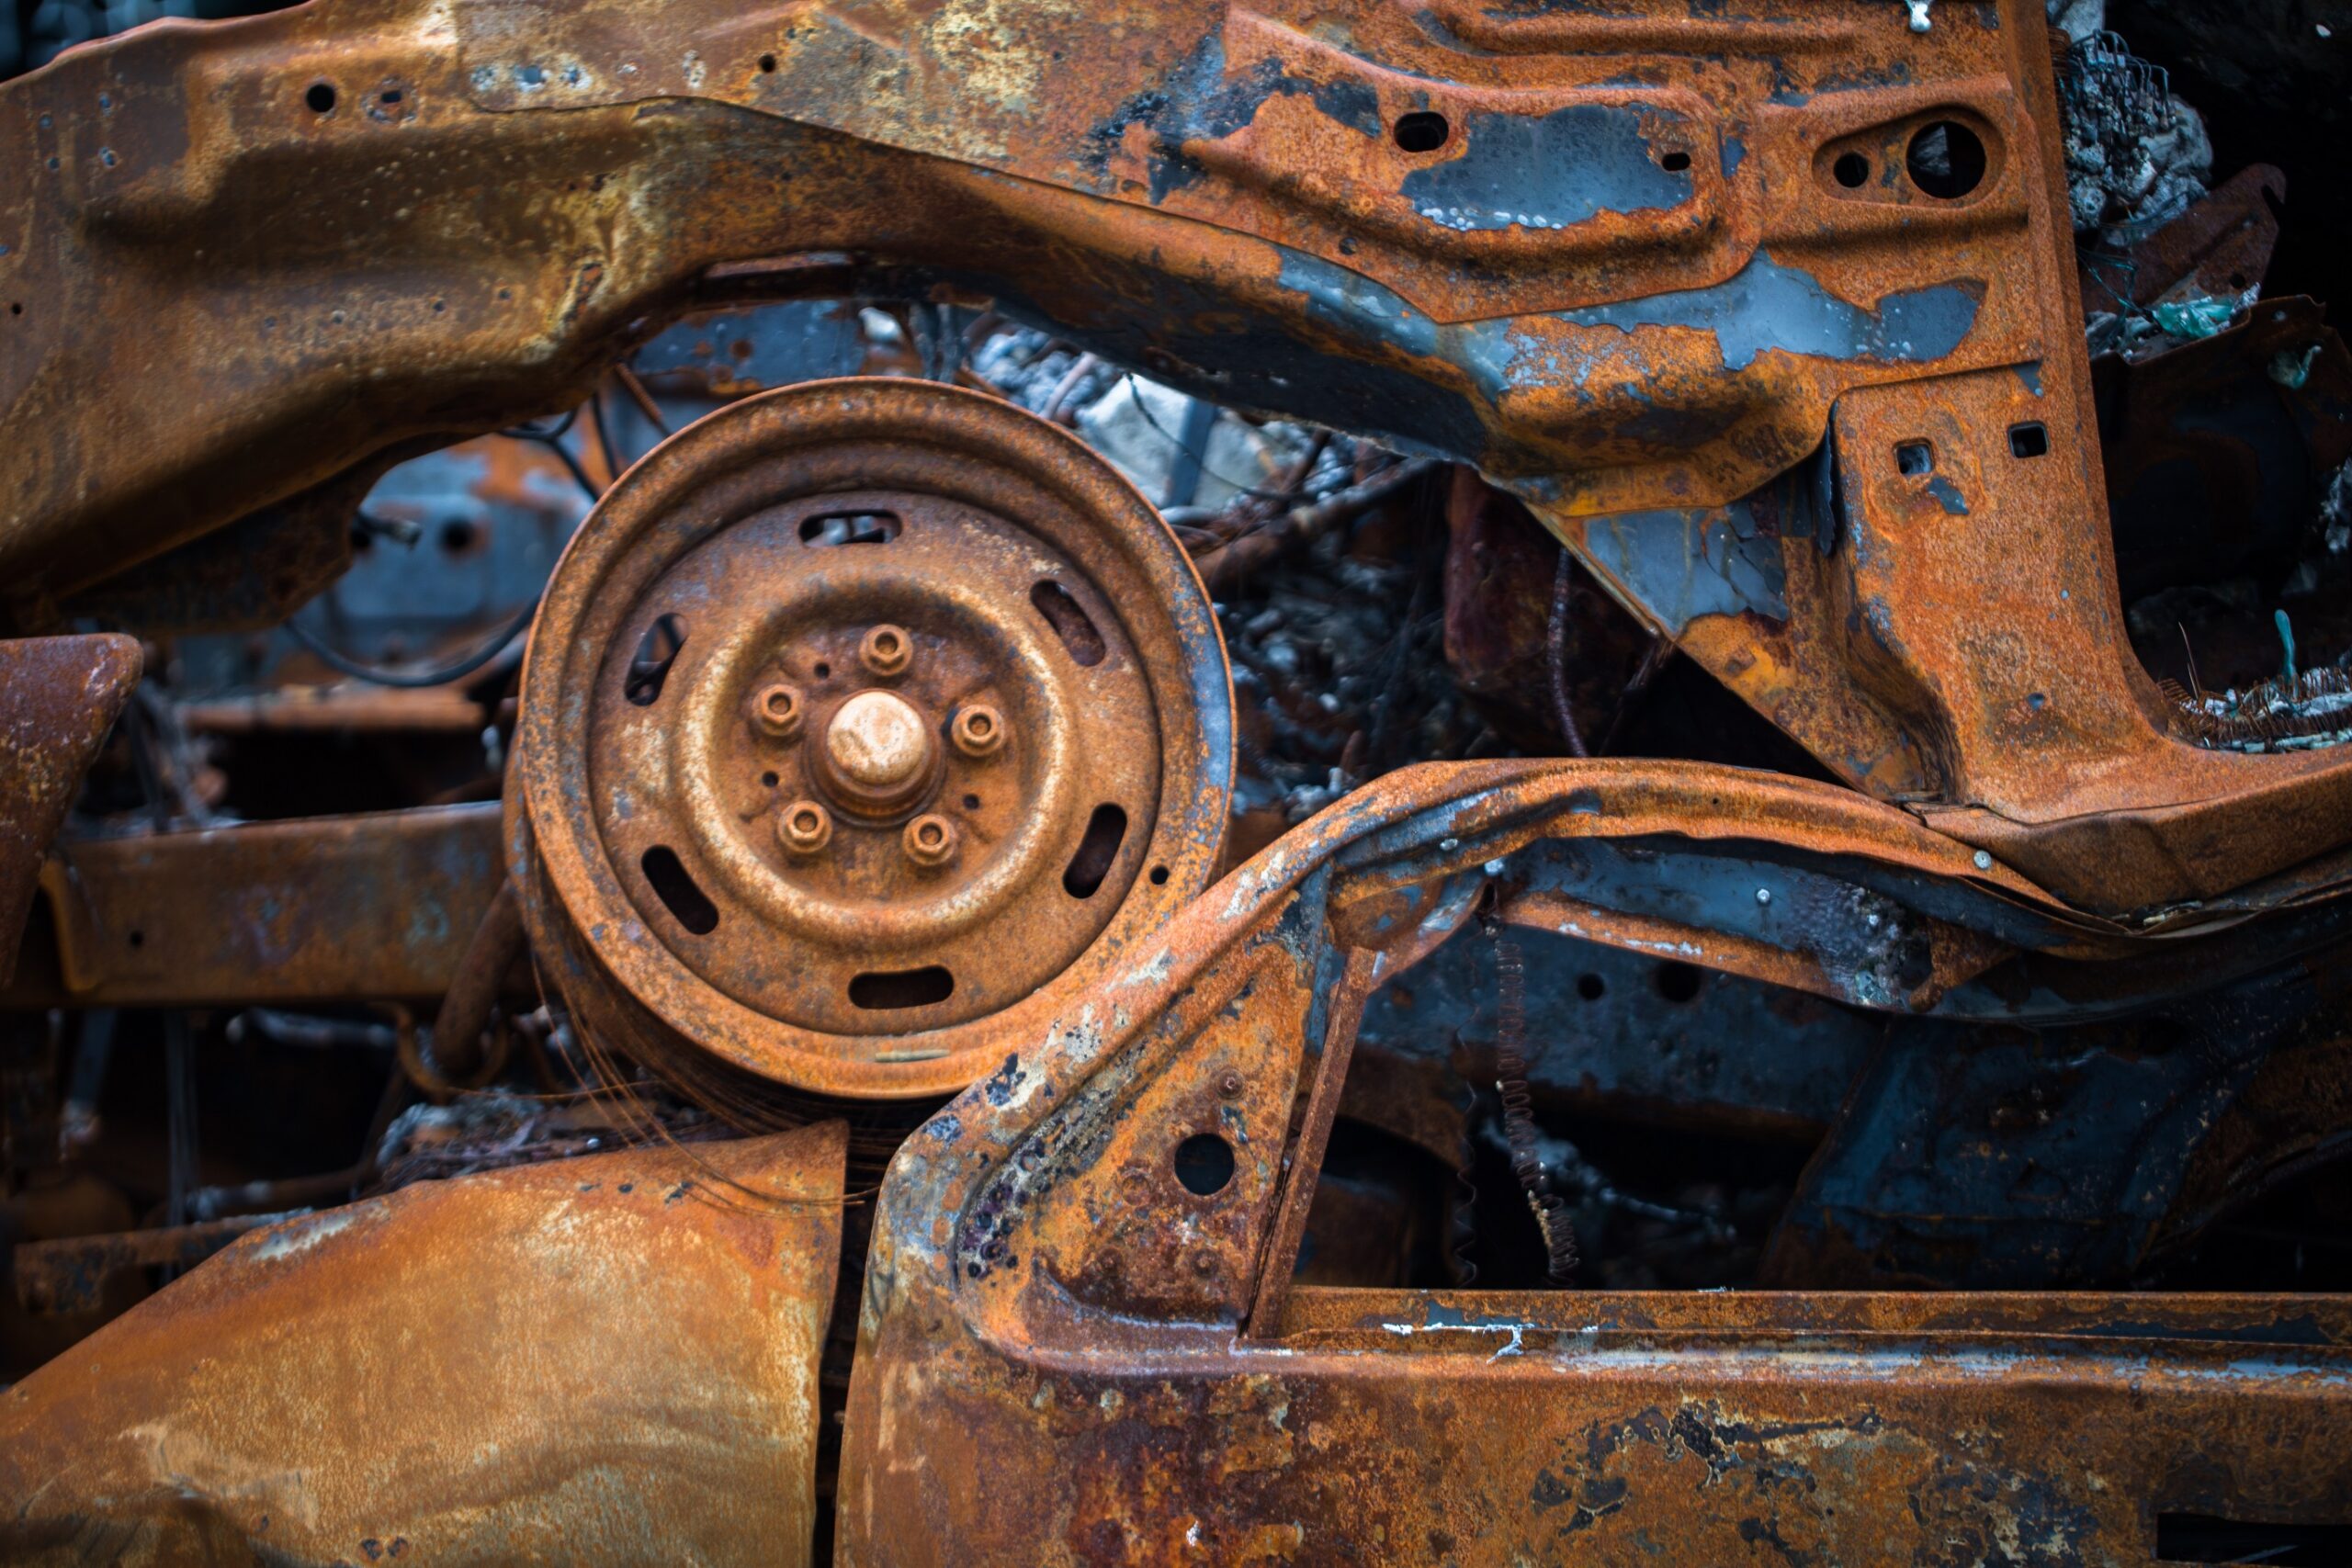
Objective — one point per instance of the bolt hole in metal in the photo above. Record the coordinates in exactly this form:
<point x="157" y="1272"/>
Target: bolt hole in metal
<point x="1106" y="832"/>
<point x="2029" y="441"/>
<point x="1422" y="131"/>
<point x="850" y="529"/>
<point x="1070" y="622"/>
<point x="889" y="990"/>
<point x="674" y="886"/>
<point x="1946" y="160"/>
<point x="319" y="96"/>
<point x="1591" y="988"/>
<point x="1675" y="163"/>
<point x="1159" y="876"/>
<point x="1203" y="1164"/>
<point x="1678" y="982"/>
<point x="1851" y="170"/>
<point x="1915" y="458"/>
<point x="767" y="64"/>
<point x="656" y="651"/>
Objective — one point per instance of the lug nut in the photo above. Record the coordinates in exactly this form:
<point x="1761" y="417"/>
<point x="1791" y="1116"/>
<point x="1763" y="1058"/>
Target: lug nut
<point x="978" y="730"/>
<point x="805" y="827"/>
<point x="777" y="711"/>
<point x="930" y="840"/>
<point x="886" y="649"/>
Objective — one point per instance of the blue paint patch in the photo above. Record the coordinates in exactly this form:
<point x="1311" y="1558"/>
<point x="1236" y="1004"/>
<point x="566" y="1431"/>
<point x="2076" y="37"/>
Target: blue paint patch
<point x="1551" y="171"/>
<point x="1683" y="565"/>
<point x="1766" y="306"/>
<point x="1735" y="153"/>
<point x="1948" y="495"/>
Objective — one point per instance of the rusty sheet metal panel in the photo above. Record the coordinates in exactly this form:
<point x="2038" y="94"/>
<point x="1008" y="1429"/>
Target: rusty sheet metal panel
<point x="1632" y="265"/>
<point x="611" y="1358"/>
<point x="318" y="908"/>
<point x="59" y="696"/>
<point x="1072" y="1346"/>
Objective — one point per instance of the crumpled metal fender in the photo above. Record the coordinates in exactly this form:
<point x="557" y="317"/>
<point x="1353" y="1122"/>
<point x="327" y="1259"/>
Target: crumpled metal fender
<point x="1067" y="1353"/>
<point x="606" y="1359"/>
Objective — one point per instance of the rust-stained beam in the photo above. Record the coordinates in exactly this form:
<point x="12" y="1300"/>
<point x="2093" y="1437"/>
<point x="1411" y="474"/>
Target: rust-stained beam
<point x="315" y="909"/>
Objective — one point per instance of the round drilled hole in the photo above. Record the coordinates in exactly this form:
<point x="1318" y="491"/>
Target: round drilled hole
<point x="1159" y="876"/>
<point x="1591" y="988"/>
<point x="767" y="62"/>
<point x="319" y="96"/>
<point x="1851" y="170"/>
<point x="1422" y="131"/>
<point x="1203" y="1164"/>
<point x="1675" y="163"/>
<point x="1678" y="982"/>
<point x="823" y="669"/>
<point x="1946" y="160"/>
<point x="768" y="779"/>
<point x="971" y="802"/>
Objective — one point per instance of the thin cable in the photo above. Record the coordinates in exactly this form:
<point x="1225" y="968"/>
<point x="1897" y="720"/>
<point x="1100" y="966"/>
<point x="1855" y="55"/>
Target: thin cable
<point x="410" y="681"/>
<point x="1555" y="635"/>
<point x="1200" y="457"/>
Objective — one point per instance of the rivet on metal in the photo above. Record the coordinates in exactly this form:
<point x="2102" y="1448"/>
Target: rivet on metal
<point x="930" y="840"/>
<point x="805" y="827"/>
<point x="978" y="731"/>
<point x="1229" y="1085"/>
<point x="777" y="711"/>
<point x="887" y="650"/>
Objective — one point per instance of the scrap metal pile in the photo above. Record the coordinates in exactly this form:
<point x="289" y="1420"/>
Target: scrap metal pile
<point x="1322" y="782"/>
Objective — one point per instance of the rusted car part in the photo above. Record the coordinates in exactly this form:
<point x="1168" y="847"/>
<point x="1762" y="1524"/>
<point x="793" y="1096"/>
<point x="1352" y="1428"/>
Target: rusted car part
<point x="59" y="696"/>
<point x="2248" y="423"/>
<point x="611" y="1358"/>
<point x="864" y="724"/>
<point x="70" y="1275"/>
<point x="323" y="908"/>
<point x="2002" y="1159"/>
<point x="1634" y="265"/>
<point x="1080" y="1324"/>
<point x="2219" y="248"/>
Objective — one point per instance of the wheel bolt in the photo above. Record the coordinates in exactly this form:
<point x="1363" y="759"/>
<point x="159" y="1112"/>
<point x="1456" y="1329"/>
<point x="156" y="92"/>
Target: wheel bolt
<point x="805" y="827"/>
<point x="887" y="650"/>
<point x="930" y="840"/>
<point x="777" y="711"/>
<point x="978" y="730"/>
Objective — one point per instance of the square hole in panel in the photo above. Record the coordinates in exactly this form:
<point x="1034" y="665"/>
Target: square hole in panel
<point x="2029" y="440"/>
<point x="1915" y="458"/>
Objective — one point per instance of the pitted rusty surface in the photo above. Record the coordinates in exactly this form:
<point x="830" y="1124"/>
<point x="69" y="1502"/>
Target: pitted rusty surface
<point x="1066" y="1353"/>
<point x="608" y="1358"/>
<point x="1612" y="259"/>
<point x="58" y="698"/>
<point x="866" y="715"/>
<point x="315" y="909"/>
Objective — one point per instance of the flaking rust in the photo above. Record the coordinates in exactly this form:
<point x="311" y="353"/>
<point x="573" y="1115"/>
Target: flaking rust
<point x="1251" y="209"/>
<point x="870" y="768"/>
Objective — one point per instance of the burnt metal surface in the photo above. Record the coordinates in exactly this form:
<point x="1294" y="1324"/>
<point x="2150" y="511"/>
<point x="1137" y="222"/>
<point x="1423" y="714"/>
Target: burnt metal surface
<point x="610" y="1358"/>
<point x="870" y="724"/>
<point x="1069" y="1345"/>
<point x="1637" y="296"/>
<point x="58" y="698"/>
<point x="323" y="908"/>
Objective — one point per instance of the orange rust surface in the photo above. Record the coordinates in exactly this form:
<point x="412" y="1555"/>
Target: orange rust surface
<point x="1222" y="195"/>
<point x="994" y="517"/>
<point x="1067" y="1354"/>
<point x="59" y="696"/>
<point x="316" y="908"/>
<point x="610" y="1358"/>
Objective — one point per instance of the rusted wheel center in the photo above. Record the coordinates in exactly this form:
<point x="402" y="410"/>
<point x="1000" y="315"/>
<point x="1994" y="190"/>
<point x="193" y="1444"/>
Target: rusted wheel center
<point x="884" y="735"/>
